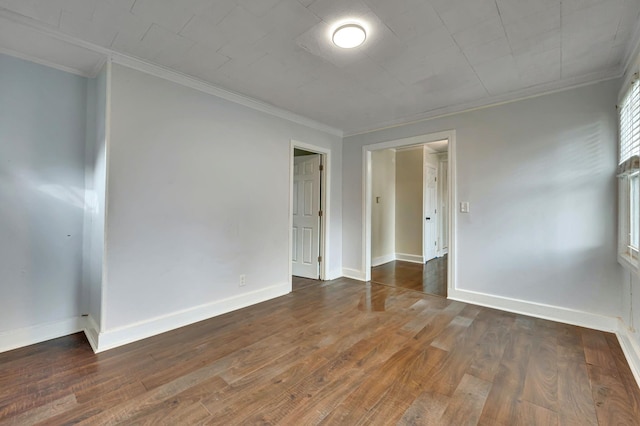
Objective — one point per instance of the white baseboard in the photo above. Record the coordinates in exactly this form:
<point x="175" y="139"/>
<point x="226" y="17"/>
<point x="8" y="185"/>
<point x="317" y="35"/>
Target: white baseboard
<point x="538" y="310"/>
<point x="381" y="260"/>
<point x="110" y="339"/>
<point x="409" y="258"/>
<point x="26" y="336"/>
<point x="631" y="349"/>
<point x="91" y="330"/>
<point x="354" y="274"/>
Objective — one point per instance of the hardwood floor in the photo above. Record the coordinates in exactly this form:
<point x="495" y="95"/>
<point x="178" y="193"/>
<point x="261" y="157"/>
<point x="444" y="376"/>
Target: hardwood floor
<point x="339" y="352"/>
<point x="430" y="278"/>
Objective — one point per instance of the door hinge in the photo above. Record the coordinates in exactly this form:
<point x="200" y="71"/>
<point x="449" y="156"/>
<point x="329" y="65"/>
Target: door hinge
<point x="320" y="213"/>
<point x="319" y="258"/>
<point x="321" y="167"/>
<point x="435" y="243"/>
<point x="435" y="179"/>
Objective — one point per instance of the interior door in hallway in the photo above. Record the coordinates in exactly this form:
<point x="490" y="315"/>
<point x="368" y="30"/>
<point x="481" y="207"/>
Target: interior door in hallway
<point x="429" y="246"/>
<point x="306" y="216"/>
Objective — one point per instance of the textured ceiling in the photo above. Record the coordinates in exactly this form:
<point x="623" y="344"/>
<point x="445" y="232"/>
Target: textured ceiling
<point x="421" y="57"/>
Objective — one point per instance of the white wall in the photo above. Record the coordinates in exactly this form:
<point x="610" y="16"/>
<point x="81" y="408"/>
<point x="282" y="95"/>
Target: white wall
<point x="409" y="196"/>
<point x="95" y="181"/>
<point x="383" y="212"/>
<point x="42" y="135"/>
<point x="539" y="174"/>
<point x="198" y="194"/>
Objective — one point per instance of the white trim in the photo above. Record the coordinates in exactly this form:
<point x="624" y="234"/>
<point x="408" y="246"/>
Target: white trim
<point x="168" y="74"/>
<point x="141" y="330"/>
<point x="538" y="310"/>
<point x="413" y="258"/>
<point x="92" y="331"/>
<point x="632" y="55"/>
<point x="381" y="260"/>
<point x="44" y="62"/>
<point x="205" y="87"/>
<point x="326" y="204"/>
<point x="26" y="336"/>
<point x="493" y="101"/>
<point x="105" y="225"/>
<point x="630" y="348"/>
<point x="354" y="274"/>
<point x="449" y="135"/>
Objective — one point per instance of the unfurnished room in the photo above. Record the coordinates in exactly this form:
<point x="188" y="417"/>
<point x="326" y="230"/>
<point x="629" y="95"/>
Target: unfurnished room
<point x="336" y="212"/>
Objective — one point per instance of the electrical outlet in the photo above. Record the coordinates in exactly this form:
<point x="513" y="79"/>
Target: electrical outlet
<point x="243" y="280"/>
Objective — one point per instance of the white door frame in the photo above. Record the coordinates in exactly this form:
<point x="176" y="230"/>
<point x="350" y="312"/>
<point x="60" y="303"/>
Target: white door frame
<point x="426" y="213"/>
<point x="325" y="182"/>
<point x="449" y="135"/>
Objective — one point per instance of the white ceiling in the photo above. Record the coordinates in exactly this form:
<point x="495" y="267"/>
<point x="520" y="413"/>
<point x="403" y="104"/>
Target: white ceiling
<point x="421" y="57"/>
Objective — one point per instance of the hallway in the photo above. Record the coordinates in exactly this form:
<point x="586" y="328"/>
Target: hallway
<point x="430" y="278"/>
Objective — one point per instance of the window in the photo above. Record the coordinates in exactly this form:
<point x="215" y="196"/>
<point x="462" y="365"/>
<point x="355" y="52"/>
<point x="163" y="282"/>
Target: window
<point x="629" y="174"/>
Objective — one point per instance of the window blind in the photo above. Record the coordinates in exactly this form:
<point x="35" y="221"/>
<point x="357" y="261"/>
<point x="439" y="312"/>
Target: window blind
<point x="629" y="154"/>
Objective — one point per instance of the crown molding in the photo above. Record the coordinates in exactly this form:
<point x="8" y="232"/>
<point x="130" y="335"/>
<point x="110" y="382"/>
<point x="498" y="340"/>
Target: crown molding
<point x="632" y="53"/>
<point x="520" y="95"/>
<point x="203" y="86"/>
<point x="163" y="72"/>
<point x="49" y="64"/>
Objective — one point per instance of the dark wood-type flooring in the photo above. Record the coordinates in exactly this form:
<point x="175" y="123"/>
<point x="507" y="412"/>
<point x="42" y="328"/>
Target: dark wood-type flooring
<point x="336" y="353"/>
<point x="430" y="277"/>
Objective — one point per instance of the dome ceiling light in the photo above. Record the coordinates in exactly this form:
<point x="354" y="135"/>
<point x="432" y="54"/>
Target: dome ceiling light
<point x="349" y="36"/>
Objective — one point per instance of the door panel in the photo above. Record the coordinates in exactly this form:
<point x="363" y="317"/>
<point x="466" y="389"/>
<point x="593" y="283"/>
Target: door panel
<point x="429" y="248"/>
<point x="306" y="219"/>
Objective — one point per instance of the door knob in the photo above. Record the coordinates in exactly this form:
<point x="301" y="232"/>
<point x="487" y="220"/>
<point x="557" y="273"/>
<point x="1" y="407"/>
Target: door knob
<point x="428" y="218"/>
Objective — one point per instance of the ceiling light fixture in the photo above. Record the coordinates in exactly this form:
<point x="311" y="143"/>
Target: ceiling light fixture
<point x="349" y="36"/>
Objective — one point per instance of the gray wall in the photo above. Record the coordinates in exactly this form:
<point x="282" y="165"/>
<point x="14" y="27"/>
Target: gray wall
<point x="383" y="211"/>
<point x="540" y="177"/>
<point x="409" y="200"/>
<point x="42" y="136"/>
<point x="198" y="194"/>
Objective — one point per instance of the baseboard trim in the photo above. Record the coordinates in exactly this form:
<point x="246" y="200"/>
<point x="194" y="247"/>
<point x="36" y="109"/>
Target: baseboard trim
<point x="91" y="330"/>
<point x="630" y="348"/>
<point x="110" y="339"/>
<point x="381" y="260"/>
<point x="538" y="310"/>
<point x="354" y="274"/>
<point x="409" y="258"/>
<point x="26" y="336"/>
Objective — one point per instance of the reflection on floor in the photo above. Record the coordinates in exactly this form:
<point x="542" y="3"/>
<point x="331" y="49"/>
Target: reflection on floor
<point x="430" y="277"/>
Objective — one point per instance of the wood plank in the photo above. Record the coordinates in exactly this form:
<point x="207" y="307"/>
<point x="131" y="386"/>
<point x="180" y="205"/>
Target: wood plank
<point x="503" y="401"/>
<point x="611" y="399"/>
<point x="426" y="409"/>
<point x="532" y="414"/>
<point x="596" y="350"/>
<point x="575" y="400"/>
<point x="466" y="402"/>
<point x="541" y="382"/>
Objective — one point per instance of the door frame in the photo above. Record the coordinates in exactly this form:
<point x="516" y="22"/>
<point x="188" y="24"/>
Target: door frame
<point x="436" y="216"/>
<point x="325" y="185"/>
<point x="449" y="135"/>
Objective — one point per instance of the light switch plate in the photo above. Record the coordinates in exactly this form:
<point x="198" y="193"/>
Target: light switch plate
<point x="464" y="207"/>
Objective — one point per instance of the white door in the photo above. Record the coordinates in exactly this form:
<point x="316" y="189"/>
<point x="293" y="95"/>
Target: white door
<point x="430" y="235"/>
<point x="306" y="216"/>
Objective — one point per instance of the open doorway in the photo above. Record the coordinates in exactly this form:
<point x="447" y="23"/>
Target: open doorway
<point x="308" y="202"/>
<point x="407" y="213"/>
